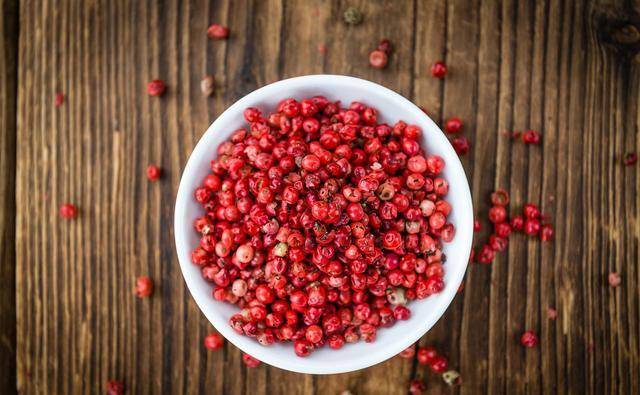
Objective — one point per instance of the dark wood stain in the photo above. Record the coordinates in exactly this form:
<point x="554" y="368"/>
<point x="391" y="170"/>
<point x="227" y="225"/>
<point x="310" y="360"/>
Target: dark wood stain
<point x="570" y="69"/>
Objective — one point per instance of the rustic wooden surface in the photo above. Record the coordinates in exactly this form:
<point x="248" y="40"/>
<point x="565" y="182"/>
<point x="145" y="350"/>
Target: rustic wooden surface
<point x="566" y="68"/>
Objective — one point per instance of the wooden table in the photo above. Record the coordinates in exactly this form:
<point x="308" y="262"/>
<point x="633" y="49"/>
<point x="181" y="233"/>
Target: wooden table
<point x="69" y="320"/>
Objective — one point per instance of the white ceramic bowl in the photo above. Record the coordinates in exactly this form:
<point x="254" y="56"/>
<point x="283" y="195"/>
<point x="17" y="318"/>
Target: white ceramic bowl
<point x="424" y="313"/>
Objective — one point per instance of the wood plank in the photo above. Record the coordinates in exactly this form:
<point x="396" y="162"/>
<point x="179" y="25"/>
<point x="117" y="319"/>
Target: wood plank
<point x="549" y="65"/>
<point x="8" y="92"/>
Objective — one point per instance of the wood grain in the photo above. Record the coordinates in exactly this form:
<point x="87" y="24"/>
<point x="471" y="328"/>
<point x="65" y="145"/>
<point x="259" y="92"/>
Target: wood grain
<point x="8" y="91"/>
<point x="557" y="66"/>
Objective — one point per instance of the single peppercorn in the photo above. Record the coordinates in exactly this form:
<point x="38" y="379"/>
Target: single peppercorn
<point x="207" y="85"/>
<point x="439" y="69"/>
<point x="153" y="173"/>
<point x="156" y="88"/>
<point x="385" y="46"/>
<point x="68" y="211"/>
<point x="213" y="341"/>
<point x="378" y="59"/>
<point x="352" y="16"/>
<point x="546" y="232"/>
<point x="115" y="387"/>
<point x="408" y="352"/>
<point x="614" y="279"/>
<point x="461" y="145"/>
<point x="144" y="287"/>
<point x="250" y="361"/>
<point x="416" y="387"/>
<point x="529" y="339"/>
<point x="453" y="125"/>
<point x="59" y="99"/>
<point x="630" y="159"/>
<point x="531" y="137"/>
<point x="218" y="32"/>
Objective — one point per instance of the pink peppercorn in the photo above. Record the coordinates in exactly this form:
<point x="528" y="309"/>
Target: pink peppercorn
<point x="630" y="159"/>
<point x="218" y="32"/>
<point x="408" y="353"/>
<point x="144" y="287"/>
<point x="378" y="59"/>
<point x="461" y="145"/>
<point x="213" y="341"/>
<point x="529" y="339"/>
<point x="439" y="364"/>
<point x="416" y="387"/>
<point x="614" y="279"/>
<point x="59" y="99"/>
<point x="250" y="361"/>
<point x="156" y="88"/>
<point x="426" y="355"/>
<point x="68" y="211"/>
<point x="453" y="125"/>
<point x="115" y="387"/>
<point x="531" y="137"/>
<point x="439" y="69"/>
<point x="546" y="232"/>
<point x="153" y="173"/>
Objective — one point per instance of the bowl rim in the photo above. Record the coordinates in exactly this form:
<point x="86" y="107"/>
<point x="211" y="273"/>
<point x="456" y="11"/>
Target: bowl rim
<point x="464" y="231"/>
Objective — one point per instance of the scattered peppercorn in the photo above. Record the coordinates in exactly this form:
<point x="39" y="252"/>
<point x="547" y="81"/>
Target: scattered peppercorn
<point x="552" y="313"/>
<point x="153" y="172"/>
<point x="461" y="145"/>
<point x="531" y="137"/>
<point x="378" y="59"/>
<point x="207" y="85"/>
<point x="59" y="99"/>
<point x="144" y="287"/>
<point x="453" y="125"/>
<point x="218" y="32"/>
<point x="408" y="352"/>
<point x="352" y="16"/>
<point x="630" y="159"/>
<point x="115" y="387"/>
<point x="385" y="46"/>
<point x="529" y="339"/>
<point x="250" y="361"/>
<point x="416" y="387"/>
<point x="614" y="279"/>
<point x="213" y="341"/>
<point x="68" y="211"/>
<point x="439" y="69"/>
<point x="156" y="88"/>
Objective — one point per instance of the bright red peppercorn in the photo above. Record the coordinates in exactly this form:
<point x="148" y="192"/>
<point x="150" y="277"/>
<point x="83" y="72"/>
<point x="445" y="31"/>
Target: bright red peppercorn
<point x="213" y="341"/>
<point x="517" y="223"/>
<point x="497" y="214"/>
<point x="144" y="287"/>
<point x="59" y="99"/>
<point x="156" y="88"/>
<point x="385" y="46"/>
<point x="453" y="125"/>
<point x="115" y="387"/>
<point x="426" y="355"/>
<point x="416" y="387"/>
<point x="250" y="361"/>
<point x="477" y="225"/>
<point x="500" y="197"/>
<point x="153" y="173"/>
<point x="68" y="211"/>
<point x="218" y="32"/>
<point x="532" y="227"/>
<point x="531" y="211"/>
<point x="378" y="59"/>
<point x="439" y="69"/>
<point x="408" y="353"/>
<point x="486" y="254"/>
<point x="439" y="364"/>
<point x="531" y="137"/>
<point x="461" y="145"/>
<point x="546" y="232"/>
<point x="529" y="339"/>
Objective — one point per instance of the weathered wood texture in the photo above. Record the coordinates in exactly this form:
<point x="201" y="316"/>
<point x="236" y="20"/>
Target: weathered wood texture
<point x="8" y="86"/>
<point x="552" y="65"/>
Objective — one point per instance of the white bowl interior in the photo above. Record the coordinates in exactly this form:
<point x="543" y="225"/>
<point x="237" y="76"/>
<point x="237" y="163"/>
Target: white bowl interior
<point x="424" y="313"/>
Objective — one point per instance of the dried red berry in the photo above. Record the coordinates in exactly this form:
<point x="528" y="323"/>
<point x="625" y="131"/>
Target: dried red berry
<point x="250" y="361"/>
<point x="426" y="355"/>
<point x="500" y="198"/>
<point x="378" y="59"/>
<point x="68" y="211"/>
<point x="529" y="339"/>
<point x="217" y="32"/>
<point x="153" y="173"/>
<point x="453" y="125"/>
<point x="614" y="279"/>
<point x="144" y="287"/>
<point x="385" y="46"/>
<point x="486" y="254"/>
<point x="115" y="387"/>
<point x="439" y="364"/>
<point x="416" y="387"/>
<point x="546" y="232"/>
<point x="552" y="313"/>
<point x="630" y="159"/>
<point x="531" y="137"/>
<point x="439" y="69"/>
<point x="156" y="88"/>
<point x="461" y="145"/>
<point x="207" y="85"/>
<point x="59" y="99"/>
<point x="213" y="341"/>
<point x="408" y="352"/>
